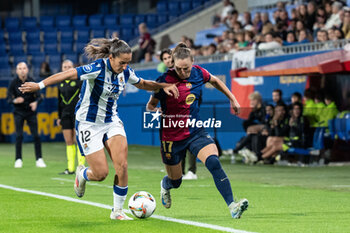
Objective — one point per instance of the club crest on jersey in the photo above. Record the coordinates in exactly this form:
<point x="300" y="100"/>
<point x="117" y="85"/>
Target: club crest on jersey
<point x="121" y="79"/>
<point x="87" y="68"/>
<point x="190" y="99"/>
<point x="188" y="85"/>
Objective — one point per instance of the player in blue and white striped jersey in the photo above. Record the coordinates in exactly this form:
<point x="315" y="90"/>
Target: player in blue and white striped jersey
<point x="97" y="123"/>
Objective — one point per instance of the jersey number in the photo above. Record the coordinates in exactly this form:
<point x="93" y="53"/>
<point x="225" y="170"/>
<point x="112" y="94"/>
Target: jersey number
<point x="85" y="136"/>
<point x="167" y="145"/>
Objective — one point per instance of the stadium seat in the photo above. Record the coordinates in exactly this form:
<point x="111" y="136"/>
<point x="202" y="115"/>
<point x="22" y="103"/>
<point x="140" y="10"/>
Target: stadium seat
<point x="79" y="21"/>
<point x="162" y="7"/>
<point x="127" y="33"/>
<point x="63" y="21"/>
<point x="95" y="21"/>
<point x="98" y="33"/>
<point x="174" y="7"/>
<point x="127" y="19"/>
<point x="2" y="48"/>
<point x="162" y="19"/>
<point x="152" y="20"/>
<point x="4" y="60"/>
<point x="34" y="48"/>
<point x="110" y="31"/>
<point x="140" y="19"/>
<point x="55" y="61"/>
<point x="84" y="59"/>
<point x="66" y="47"/>
<point x="29" y="23"/>
<point x="16" y="49"/>
<point x="37" y="60"/>
<point x="50" y="35"/>
<point x="67" y="34"/>
<point x="50" y="48"/>
<point x="6" y="72"/>
<point x="15" y="37"/>
<point x="71" y="56"/>
<point x="33" y="35"/>
<point x="185" y="6"/>
<point x="19" y="58"/>
<point x="12" y="24"/>
<point x="46" y="22"/>
<point x="196" y="3"/>
<point x="110" y="20"/>
<point x="82" y="35"/>
<point x="79" y="47"/>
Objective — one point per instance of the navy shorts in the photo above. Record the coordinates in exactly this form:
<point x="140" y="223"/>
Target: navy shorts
<point x="174" y="152"/>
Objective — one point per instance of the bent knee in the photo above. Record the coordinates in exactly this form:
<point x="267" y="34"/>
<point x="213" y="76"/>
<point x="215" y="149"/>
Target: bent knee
<point x="101" y="175"/>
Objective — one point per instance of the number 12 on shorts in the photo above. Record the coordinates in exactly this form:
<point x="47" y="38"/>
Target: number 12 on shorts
<point x="85" y="136"/>
<point x="167" y="146"/>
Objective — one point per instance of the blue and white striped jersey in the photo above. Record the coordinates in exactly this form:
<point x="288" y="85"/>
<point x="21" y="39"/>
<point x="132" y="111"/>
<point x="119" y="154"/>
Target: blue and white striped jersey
<point x="100" y="91"/>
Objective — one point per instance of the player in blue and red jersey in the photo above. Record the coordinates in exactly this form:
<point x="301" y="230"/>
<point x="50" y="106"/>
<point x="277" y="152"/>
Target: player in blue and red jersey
<point x="177" y="135"/>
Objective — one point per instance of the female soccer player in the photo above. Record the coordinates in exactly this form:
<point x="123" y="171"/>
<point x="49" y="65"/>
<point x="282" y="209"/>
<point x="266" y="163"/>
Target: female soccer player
<point x="175" y="141"/>
<point x="97" y="122"/>
<point x="68" y="96"/>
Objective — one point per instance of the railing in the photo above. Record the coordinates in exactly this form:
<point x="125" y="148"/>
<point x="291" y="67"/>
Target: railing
<point x="172" y="22"/>
<point x="291" y="49"/>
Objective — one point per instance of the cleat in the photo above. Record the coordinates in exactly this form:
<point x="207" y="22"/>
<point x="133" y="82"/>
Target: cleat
<point x="79" y="184"/>
<point x="237" y="208"/>
<point x="18" y="163"/>
<point x="66" y="172"/>
<point x="119" y="215"/>
<point x="165" y="196"/>
<point x="40" y="163"/>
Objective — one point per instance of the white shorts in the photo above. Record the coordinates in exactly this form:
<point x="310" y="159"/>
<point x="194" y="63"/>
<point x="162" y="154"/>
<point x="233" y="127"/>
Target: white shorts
<point x="91" y="137"/>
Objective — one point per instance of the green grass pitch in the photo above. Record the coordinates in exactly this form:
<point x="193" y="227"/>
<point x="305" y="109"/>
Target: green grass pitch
<point x="282" y="199"/>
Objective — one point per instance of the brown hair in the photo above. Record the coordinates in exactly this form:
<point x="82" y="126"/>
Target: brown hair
<point x="181" y="51"/>
<point x="102" y="48"/>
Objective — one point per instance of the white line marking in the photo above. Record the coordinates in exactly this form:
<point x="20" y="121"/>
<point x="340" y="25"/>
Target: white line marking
<point x="198" y="224"/>
<point x="88" y="183"/>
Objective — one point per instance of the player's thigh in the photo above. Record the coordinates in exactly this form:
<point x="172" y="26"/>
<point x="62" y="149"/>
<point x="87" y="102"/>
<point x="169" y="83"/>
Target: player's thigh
<point x="117" y="147"/>
<point x="98" y="163"/>
<point x="207" y="151"/>
<point x="202" y="146"/>
<point x="174" y="171"/>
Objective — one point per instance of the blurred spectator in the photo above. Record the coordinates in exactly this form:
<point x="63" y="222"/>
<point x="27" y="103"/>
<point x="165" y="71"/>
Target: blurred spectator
<point x="311" y="15"/>
<point x="310" y="107"/>
<point x="334" y="19"/>
<point x="45" y="70"/>
<point x="225" y="13"/>
<point x="291" y="40"/>
<point x="346" y="25"/>
<point x="339" y="34"/>
<point x="320" y="106"/>
<point x="249" y="38"/>
<point x="267" y="25"/>
<point x="302" y="13"/>
<point x="330" y="112"/>
<point x="241" y="43"/>
<point x="304" y="36"/>
<point x="320" y="21"/>
<point x="167" y="61"/>
<point x="247" y="19"/>
<point x="277" y="97"/>
<point x="270" y="42"/>
<point x="146" y="43"/>
<point x="211" y="49"/>
<point x="189" y="43"/>
<point x="257" y="23"/>
<point x="331" y="34"/>
<point x="322" y="36"/>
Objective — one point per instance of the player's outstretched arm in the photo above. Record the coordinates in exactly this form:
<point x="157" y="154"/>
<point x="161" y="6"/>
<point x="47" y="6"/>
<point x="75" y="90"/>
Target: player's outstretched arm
<point x="53" y="79"/>
<point x="169" y="89"/>
<point x="152" y="104"/>
<point x="218" y="84"/>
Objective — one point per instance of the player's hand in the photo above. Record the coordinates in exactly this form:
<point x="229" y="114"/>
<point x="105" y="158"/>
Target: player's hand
<point x="236" y="107"/>
<point x="18" y="100"/>
<point x="172" y="90"/>
<point x="29" y="87"/>
<point x="58" y="122"/>
<point x="33" y="105"/>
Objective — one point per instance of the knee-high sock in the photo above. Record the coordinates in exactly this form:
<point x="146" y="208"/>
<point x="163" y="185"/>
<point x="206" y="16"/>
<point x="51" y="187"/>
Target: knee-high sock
<point x="70" y="150"/>
<point x="119" y="196"/>
<point x="169" y="184"/>
<point x="220" y="178"/>
<point x="81" y="159"/>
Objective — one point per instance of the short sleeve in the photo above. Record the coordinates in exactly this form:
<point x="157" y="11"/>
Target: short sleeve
<point x="206" y="74"/>
<point x="90" y="71"/>
<point x="131" y="77"/>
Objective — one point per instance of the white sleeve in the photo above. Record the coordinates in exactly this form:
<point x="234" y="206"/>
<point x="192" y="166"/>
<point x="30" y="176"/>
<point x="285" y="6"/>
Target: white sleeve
<point x="90" y="71"/>
<point x="133" y="79"/>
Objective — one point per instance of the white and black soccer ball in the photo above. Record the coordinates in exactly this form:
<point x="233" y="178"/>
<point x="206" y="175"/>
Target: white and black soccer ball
<point x="142" y="204"/>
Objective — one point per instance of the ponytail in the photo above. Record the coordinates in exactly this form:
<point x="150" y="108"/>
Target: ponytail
<point x="102" y="48"/>
<point x="181" y="51"/>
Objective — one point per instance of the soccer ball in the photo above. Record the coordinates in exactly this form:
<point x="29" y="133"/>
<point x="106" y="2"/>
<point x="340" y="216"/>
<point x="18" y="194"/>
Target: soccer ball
<point x="142" y="204"/>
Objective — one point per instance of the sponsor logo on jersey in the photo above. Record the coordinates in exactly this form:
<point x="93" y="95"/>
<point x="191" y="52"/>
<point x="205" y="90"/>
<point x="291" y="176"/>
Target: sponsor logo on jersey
<point x="87" y="68"/>
<point x="190" y="99"/>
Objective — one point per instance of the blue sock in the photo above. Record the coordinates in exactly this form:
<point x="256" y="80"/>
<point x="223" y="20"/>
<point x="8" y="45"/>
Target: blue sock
<point x="220" y="178"/>
<point x="169" y="184"/>
<point x="85" y="175"/>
